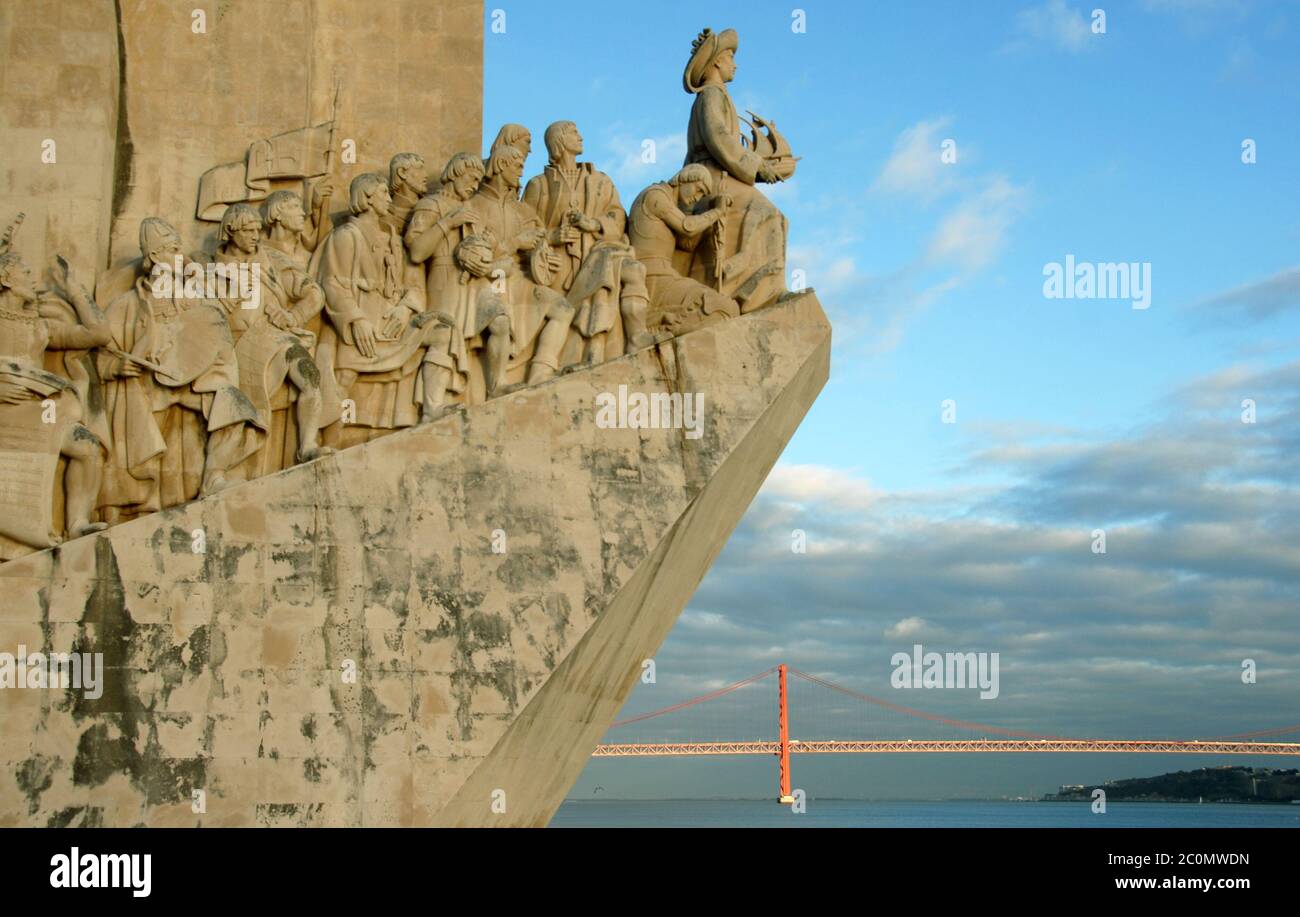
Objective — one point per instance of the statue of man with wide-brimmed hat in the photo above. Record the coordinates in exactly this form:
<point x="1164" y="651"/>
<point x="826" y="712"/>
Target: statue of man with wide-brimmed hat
<point x="747" y="258"/>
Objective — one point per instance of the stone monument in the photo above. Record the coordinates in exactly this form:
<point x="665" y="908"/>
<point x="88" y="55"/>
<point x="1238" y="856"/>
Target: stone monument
<point x="326" y="516"/>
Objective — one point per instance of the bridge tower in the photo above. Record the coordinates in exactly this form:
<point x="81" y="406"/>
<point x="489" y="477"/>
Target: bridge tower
<point x="783" y="754"/>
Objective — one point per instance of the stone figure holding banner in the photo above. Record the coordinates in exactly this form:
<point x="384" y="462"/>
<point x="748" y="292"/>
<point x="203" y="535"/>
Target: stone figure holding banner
<point x="290" y="229"/>
<point x="302" y="153"/>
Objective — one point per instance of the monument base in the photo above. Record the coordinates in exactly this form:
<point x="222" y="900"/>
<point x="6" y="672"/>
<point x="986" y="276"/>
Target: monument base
<point x="434" y="628"/>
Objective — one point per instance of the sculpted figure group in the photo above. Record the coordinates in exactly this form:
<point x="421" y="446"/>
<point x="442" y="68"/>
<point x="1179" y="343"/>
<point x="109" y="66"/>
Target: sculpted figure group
<point x="429" y="295"/>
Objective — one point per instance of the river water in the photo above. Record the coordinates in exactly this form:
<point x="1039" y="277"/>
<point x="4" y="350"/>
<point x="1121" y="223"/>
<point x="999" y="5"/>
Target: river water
<point x="851" y="813"/>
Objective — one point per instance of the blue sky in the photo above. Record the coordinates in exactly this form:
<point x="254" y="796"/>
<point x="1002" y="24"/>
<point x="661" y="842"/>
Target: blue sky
<point x="1071" y="414"/>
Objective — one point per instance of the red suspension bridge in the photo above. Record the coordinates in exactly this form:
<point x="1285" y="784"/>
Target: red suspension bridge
<point x="781" y="746"/>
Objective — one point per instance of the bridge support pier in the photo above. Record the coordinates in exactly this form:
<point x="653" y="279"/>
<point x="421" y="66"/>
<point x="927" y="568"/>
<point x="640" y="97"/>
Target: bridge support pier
<point x="783" y="753"/>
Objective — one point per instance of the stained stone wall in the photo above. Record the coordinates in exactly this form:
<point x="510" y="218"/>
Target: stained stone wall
<point x="140" y="104"/>
<point x="486" y="669"/>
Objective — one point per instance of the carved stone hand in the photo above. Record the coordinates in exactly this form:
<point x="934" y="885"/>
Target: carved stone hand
<point x="364" y="334"/>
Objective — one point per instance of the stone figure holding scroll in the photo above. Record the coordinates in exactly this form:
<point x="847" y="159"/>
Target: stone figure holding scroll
<point x="171" y="387"/>
<point x="746" y="259"/>
<point x="41" y="412"/>
<point x="388" y="354"/>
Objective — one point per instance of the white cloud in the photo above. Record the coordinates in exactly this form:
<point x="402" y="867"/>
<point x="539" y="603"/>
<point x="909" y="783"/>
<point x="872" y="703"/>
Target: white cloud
<point x="872" y="309"/>
<point x="1056" y="23"/>
<point x="972" y="235"/>
<point x="708" y="622"/>
<point x="915" y="166"/>
<point x="906" y="628"/>
<point x="806" y="484"/>
<point x="627" y="154"/>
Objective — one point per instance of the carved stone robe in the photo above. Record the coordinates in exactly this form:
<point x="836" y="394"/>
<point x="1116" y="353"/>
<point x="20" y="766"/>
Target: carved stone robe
<point x="161" y="424"/>
<point x="713" y="136"/>
<point x="552" y="195"/>
<point x="263" y="352"/>
<point x="365" y="273"/>
<point x="446" y="285"/>
<point x="527" y="301"/>
<point x="752" y="222"/>
<point x="663" y="236"/>
<point x="29" y="512"/>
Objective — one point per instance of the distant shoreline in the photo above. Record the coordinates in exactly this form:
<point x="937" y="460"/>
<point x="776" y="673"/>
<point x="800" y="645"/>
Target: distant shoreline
<point x="1231" y="784"/>
<point x="980" y="799"/>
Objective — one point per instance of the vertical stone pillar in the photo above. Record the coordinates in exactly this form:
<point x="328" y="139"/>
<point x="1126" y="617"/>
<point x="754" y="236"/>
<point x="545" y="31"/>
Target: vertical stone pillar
<point x="58" y="117"/>
<point x="140" y="98"/>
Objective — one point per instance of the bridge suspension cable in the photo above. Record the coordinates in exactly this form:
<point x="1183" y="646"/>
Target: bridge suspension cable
<point x="898" y="708"/>
<point x="712" y="695"/>
<point x="1016" y="741"/>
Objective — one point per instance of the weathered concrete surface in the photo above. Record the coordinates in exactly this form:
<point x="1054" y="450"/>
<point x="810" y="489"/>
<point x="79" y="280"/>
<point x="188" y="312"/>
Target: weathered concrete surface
<point x="476" y="671"/>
